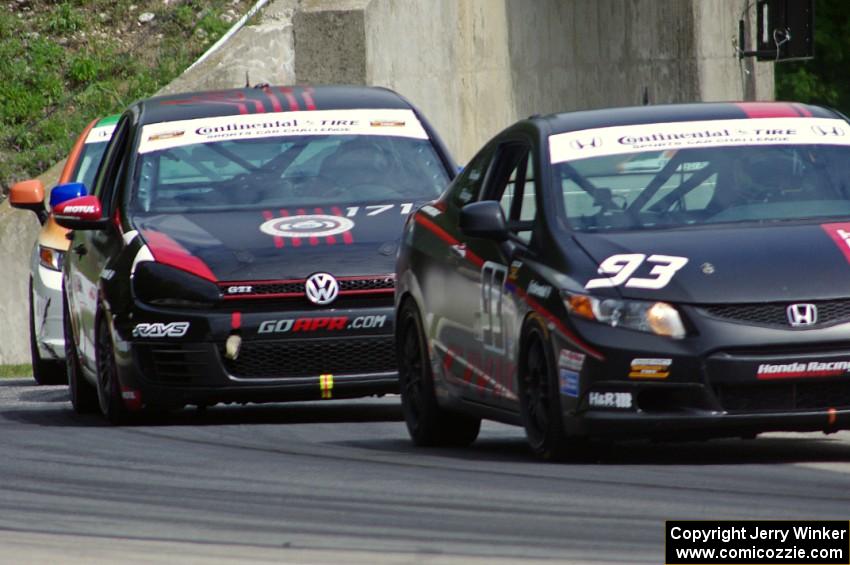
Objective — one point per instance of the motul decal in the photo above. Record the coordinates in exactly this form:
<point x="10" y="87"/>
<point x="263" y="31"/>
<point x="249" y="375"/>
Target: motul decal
<point x="321" y="323"/>
<point x="840" y="234"/>
<point x="160" y="329"/>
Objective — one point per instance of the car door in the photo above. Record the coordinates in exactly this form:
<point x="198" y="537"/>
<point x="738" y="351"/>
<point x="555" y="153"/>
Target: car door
<point x="492" y="358"/>
<point x="91" y="249"/>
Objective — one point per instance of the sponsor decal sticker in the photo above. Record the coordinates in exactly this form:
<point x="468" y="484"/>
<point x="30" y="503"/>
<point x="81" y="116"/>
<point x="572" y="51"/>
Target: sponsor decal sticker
<point x="100" y="134"/>
<point x="539" y="290"/>
<point x="239" y="289"/>
<point x="395" y="122"/>
<point x="569" y="367"/>
<point x="645" y="368"/>
<point x="767" y="371"/>
<point x="160" y="329"/>
<point x="306" y="226"/>
<point x="620" y="140"/>
<point x="322" y="323"/>
<point x="79" y="209"/>
<point x="618" y="400"/>
<point x="840" y="234"/>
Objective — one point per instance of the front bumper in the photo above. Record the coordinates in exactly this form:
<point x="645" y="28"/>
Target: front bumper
<point x="47" y="313"/>
<point x="648" y="386"/>
<point x="283" y="356"/>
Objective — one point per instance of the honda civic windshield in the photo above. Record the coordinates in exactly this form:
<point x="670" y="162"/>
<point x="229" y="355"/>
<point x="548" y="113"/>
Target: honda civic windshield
<point x="696" y="181"/>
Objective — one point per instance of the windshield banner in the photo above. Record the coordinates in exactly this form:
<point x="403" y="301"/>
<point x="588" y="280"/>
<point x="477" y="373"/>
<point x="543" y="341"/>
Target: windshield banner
<point x="101" y="134"/>
<point x="165" y="135"/>
<point x="602" y="142"/>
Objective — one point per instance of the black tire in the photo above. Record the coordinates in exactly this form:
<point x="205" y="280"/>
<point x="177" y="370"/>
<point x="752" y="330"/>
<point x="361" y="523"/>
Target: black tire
<point x="108" y="388"/>
<point x="83" y="395"/>
<point x="540" y="401"/>
<point x="427" y="423"/>
<point x="44" y="371"/>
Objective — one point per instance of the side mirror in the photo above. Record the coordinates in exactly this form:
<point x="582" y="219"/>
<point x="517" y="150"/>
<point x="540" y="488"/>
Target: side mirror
<point x="29" y="195"/>
<point x="485" y="220"/>
<point x="64" y="192"/>
<point x="83" y="213"/>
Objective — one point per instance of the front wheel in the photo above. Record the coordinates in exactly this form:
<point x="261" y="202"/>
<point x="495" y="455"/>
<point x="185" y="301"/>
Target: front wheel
<point x="540" y="403"/>
<point x="427" y="423"/>
<point x="108" y="388"/>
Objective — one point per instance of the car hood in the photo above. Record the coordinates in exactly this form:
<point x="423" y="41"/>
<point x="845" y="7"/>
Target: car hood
<point x="735" y="264"/>
<point x="260" y="245"/>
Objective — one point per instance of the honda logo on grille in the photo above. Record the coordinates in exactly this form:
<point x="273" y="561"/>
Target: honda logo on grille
<point x="321" y="288"/>
<point x="802" y="314"/>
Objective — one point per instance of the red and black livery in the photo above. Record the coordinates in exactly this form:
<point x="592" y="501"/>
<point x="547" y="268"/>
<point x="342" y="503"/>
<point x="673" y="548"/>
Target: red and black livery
<point x="243" y="269"/>
<point x="675" y="271"/>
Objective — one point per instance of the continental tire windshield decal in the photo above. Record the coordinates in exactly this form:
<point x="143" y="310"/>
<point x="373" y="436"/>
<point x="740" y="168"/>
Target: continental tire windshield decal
<point x="101" y="134"/>
<point x="602" y="142"/>
<point x="165" y="135"/>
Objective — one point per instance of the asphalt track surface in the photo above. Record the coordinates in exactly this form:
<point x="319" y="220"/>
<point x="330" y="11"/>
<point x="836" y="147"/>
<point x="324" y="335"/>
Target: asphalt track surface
<point x="339" y="482"/>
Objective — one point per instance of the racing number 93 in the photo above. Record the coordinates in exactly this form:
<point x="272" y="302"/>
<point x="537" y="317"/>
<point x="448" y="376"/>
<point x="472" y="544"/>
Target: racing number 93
<point x="620" y="269"/>
<point x="493" y="277"/>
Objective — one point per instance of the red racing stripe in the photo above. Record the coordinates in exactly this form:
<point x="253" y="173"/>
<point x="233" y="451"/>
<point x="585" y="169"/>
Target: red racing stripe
<point x="330" y="240"/>
<point x="168" y="252"/>
<point x="278" y="241"/>
<point x="296" y="241"/>
<point x="347" y="238"/>
<point x="274" y="99"/>
<point x="448" y="238"/>
<point x="768" y="110"/>
<point x="293" y="102"/>
<point x="307" y="95"/>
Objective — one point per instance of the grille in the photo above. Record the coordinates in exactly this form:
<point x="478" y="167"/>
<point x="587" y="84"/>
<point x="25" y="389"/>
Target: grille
<point x="774" y="314"/>
<point x="296" y="287"/>
<point x="175" y="364"/>
<point x="784" y="396"/>
<point x="303" y="358"/>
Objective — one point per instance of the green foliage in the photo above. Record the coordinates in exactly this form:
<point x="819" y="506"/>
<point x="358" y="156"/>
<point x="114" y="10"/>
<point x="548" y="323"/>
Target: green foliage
<point x="824" y="79"/>
<point x="65" y="63"/>
<point x="15" y="371"/>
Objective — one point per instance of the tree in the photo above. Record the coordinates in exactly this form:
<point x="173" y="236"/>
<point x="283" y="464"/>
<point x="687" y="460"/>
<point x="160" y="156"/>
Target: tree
<point x="825" y="79"/>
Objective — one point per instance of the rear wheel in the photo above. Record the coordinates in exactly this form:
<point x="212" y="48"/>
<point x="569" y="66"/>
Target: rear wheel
<point x="427" y="423"/>
<point x="540" y="404"/>
<point x="44" y="371"/>
<point x="108" y="388"/>
<point x="83" y="395"/>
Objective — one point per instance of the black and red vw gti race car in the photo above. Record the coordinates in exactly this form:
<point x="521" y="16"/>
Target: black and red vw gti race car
<point x="558" y="286"/>
<point x="238" y="246"/>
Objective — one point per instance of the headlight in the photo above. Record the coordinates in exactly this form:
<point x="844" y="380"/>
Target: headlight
<point x="51" y="258"/>
<point x="162" y="285"/>
<point x="658" y="318"/>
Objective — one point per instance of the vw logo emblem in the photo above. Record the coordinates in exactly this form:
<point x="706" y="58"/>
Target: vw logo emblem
<point x="321" y="288"/>
<point x="802" y="315"/>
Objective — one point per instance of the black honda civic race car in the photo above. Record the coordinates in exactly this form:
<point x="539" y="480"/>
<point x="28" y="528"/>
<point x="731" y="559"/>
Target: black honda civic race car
<point x="666" y="271"/>
<point x="238" y="246"/>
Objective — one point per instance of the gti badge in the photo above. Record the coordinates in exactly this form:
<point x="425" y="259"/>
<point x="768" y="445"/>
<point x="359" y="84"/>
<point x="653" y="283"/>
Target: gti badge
<point x="802" y="314"/>
<point x="321" y="288"/>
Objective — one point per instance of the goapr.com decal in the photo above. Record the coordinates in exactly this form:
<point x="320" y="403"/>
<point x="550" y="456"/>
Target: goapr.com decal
<point x="307" y="226"/>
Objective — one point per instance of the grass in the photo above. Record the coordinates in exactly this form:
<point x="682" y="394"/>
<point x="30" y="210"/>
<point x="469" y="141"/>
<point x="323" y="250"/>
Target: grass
<point x="68" y="62"/>
<point x="15" y="371"/>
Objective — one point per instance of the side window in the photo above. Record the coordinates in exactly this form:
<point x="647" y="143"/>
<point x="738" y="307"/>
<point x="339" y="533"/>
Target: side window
<point x="467" y="186"/>
<point x="113" y="164"/>
<point x="512" y="183"/>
